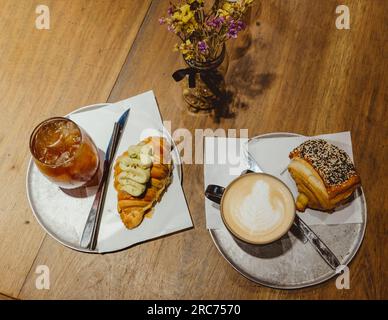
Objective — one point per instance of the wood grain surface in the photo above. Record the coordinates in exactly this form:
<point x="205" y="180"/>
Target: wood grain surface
<point x="292" y="70"/>
<point x="3" y="297"/>
<point x="46" y="73"/>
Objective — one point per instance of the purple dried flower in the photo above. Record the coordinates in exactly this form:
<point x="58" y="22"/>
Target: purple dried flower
<point x="219" y="21"/>
<point x="232" y="33"/>
<point x="170" y="11"/>
<point x="235" y="27"/>
<point x="210" y="23"/>
<point x="162" y="21"/>
<point x="202" y="46"/>
<point x="216" y="22"/>
<point x="241" y="25"/>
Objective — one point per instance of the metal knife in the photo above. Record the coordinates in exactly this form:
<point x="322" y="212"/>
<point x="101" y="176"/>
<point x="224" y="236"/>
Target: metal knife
<point x="90" y="233"/>
<point x="300" y="226"/>
<point x="317" y="243"/>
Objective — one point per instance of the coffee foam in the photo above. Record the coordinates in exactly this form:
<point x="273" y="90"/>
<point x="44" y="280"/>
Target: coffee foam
<point x="259" y="208"/>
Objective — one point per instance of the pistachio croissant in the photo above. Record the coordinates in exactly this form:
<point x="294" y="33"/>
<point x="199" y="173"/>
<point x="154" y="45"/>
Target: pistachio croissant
<point x="141" y="175"/>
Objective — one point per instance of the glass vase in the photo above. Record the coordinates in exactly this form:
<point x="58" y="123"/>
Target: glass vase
<point x="208" y="88"/>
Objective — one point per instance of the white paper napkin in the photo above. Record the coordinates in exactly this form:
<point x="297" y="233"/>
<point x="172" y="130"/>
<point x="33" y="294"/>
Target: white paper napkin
<point x="171" y="214"/>
<point x="224" y="161"/>
<point x="271" y="154"/>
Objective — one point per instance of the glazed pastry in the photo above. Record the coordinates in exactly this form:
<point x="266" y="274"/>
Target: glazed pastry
<point x="141" y="175"/>
<point x="324" y="174"/>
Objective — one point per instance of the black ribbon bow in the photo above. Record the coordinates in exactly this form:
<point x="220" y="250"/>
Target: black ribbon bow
<point x="209" y="77"/>
<point x="180" y="74"/>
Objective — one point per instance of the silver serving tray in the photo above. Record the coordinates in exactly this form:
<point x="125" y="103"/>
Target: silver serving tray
<point x="37" y="185"/>
<point x="289" y="263"/>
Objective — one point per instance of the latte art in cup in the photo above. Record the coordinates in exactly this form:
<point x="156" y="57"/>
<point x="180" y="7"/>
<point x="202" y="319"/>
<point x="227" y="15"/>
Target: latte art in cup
<point x="258" y="208"/>
<point x="258" y="211"/>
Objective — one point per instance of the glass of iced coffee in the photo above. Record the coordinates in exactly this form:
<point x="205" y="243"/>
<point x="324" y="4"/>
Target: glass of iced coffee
<point x="64" y="152"/>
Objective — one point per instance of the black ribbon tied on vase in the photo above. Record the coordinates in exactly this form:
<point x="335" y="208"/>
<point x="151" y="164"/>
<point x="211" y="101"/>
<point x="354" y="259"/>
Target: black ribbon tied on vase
<point x="210" y="77"/>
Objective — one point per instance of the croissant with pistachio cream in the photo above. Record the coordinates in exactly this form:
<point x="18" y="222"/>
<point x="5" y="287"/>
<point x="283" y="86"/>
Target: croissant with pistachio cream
<point x="141" y="175"/>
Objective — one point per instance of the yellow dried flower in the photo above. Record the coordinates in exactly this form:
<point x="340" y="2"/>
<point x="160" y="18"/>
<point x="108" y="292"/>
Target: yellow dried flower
<point x="226" y="10"/>
<point x="227" y="6"/>
<point x="190" y="28"/>
<point x="184" y="14"/>
<point x="198" y="1"/>
<point x="186" y="49"/>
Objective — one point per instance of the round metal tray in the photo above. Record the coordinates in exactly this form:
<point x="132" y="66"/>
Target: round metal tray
<point x="289" y="263"/>
<point x="40" y="190"/>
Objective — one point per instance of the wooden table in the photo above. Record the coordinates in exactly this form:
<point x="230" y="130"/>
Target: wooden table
<point x="291" y="71"/>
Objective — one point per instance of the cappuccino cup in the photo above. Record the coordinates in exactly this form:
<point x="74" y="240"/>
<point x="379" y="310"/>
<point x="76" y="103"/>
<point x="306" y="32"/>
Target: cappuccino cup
<point x="256" y="208"/>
